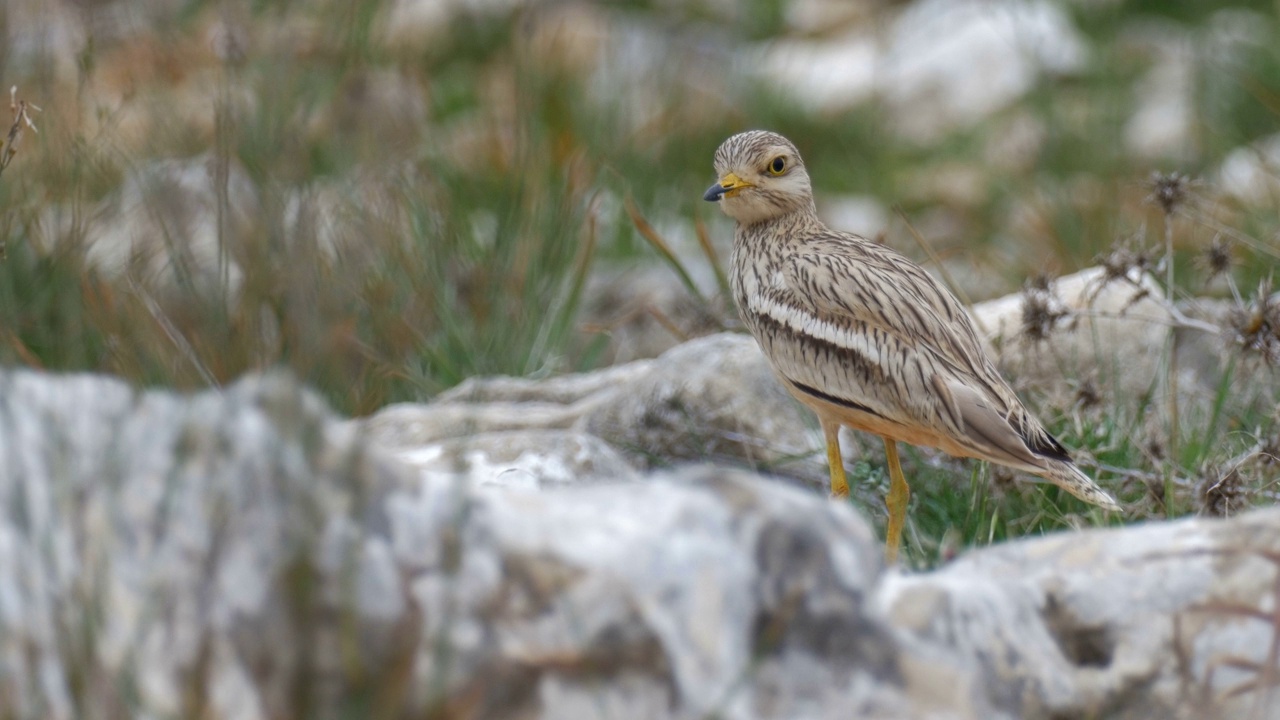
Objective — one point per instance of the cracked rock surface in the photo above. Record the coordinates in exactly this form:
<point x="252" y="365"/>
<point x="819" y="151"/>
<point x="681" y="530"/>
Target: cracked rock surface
<point x="245" y="554"/>
<point x="687" y="405"/>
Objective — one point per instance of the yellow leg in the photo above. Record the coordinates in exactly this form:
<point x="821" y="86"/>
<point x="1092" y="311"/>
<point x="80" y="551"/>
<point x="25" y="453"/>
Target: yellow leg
<point x="839" y="485"/>
<point x="896" y="501"/>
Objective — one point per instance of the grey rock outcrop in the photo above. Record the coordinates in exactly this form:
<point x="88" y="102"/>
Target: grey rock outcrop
<point x="245" y="554"/>
<point x="164" y="556"/>
<point x="710" y="398"/>
<point x="1171" y="620"/>
<point x="705" y="592"/>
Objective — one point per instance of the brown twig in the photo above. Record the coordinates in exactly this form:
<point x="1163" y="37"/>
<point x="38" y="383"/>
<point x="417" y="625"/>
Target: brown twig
<point x="21" y="121"/>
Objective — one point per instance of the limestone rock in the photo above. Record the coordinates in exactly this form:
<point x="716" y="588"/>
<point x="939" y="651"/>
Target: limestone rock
<point x="1110" y="339"/>
<point x="499" y="404"/>
<point x="713" y="398"/>
<point x="240" y="554"/>
<point x="244" y="554"/>
<point x="166" y="557"/>
<point x="950" y="64"/>
<point x="1081" y="328"/>
<point x="1154" y="621"/>
<point x="1251" y="174"/>
<point x="704" y="592"/>
<point x="1163" y="125"/>
<point x="826" y="75"/>
<point x="860" y="214"/>
<point x="939" y="66"/>
<point x="528" y="459"/>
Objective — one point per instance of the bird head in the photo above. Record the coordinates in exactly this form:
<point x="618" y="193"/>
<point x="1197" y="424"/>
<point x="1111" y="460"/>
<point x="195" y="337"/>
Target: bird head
<point x="761" y="177"/>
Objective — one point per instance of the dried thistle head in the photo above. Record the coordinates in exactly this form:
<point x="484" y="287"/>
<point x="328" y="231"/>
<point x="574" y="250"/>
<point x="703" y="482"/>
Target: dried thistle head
<point x="1153" y="448"/>
<point x="1087" y="395"/>
<point x="1168" y="190"/>
<point x="1126" y="256"/>
<point x="1042" y="311"/>
<point x="1216" y="259"/>
<point x="1003" y="478"/>
<point x="1220" y="492"/>
<point x="1255" y="328"/>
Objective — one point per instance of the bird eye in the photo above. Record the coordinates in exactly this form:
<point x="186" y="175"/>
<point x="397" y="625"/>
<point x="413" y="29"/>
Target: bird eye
<point x="778" y="165"/>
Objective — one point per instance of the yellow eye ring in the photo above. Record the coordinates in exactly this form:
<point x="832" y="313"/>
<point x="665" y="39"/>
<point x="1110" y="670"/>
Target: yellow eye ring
<point x="778" y="166"/>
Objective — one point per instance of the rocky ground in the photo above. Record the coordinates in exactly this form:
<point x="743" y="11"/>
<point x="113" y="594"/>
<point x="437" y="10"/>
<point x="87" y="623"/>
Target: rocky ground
<point x="509" y="550"/>
<point x="216" y="188"/>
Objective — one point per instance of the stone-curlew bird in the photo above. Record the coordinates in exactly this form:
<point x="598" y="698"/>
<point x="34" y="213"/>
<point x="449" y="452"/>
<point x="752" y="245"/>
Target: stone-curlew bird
<point x="867" y="338"/>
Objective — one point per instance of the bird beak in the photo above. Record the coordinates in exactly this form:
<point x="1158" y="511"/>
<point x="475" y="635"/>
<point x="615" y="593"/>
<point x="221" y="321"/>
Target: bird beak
<point x="728" y="186"/>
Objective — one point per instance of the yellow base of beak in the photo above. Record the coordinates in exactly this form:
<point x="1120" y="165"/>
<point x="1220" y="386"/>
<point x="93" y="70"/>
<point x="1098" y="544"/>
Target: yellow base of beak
<point x="729" y="186"/>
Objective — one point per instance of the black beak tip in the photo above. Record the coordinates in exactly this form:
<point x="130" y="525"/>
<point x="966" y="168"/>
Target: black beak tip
<point x="713" y="193"/>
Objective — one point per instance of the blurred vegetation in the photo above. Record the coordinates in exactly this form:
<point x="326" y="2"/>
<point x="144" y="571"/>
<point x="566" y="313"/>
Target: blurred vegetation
<point x="428" y="202"/>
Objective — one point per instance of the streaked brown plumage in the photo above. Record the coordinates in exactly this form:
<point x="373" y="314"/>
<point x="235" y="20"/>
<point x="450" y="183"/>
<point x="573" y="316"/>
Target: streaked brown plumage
<point x="864" y="336"/>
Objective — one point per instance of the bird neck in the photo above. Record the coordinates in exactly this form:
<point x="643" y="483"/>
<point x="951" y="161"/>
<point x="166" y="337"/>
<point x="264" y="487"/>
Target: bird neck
<point x="800" y="221"/>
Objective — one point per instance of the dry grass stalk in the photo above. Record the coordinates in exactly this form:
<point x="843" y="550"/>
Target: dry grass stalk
<point x="648" y="232"/>
<point x="21" y="121"/>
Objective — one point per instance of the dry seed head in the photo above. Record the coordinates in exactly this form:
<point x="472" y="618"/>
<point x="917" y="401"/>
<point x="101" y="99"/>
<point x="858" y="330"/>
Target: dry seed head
<point x="1002" y="477"/>
<point x="1042" y="311"/>
<point x="1169" y="190"/>
<point x="1255" y="328"/>
<point x="1154" y="449"/>
<point x="1217" y="258"/>
<point x="1126" y="256"/>
<point x="1088" y="395"/>
<point x="1220" y="493"/>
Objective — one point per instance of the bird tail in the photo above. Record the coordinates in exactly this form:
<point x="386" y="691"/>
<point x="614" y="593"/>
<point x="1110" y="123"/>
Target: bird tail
<point x="1072" y="479"/>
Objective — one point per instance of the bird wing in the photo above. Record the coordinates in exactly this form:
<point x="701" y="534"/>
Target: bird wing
<point x="891" y="340"/>
<point x="875" y="284"/>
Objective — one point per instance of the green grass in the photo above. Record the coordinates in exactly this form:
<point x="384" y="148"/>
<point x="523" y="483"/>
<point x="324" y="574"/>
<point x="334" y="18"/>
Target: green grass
<point x="489" y="214"/>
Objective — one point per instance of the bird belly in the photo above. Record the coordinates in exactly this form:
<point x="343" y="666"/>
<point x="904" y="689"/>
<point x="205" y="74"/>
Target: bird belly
<point x="858" y="419"/>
